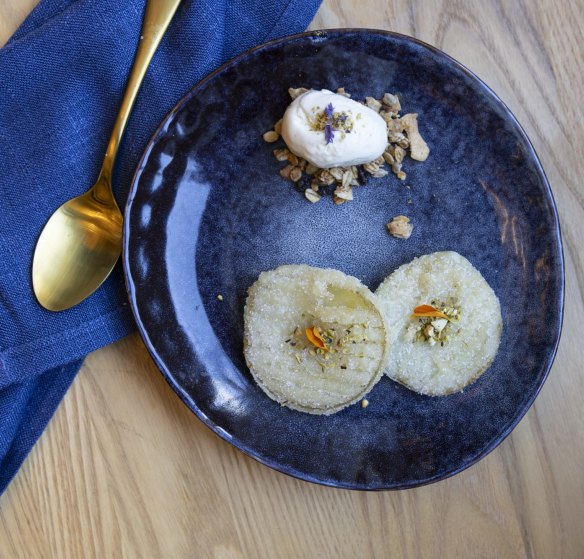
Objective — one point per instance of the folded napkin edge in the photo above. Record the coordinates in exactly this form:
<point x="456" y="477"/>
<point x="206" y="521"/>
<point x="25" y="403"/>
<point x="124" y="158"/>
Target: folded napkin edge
<point x="282" y="26"/>
<point x="40" y="15"/>
<point x="42" y="394"/>
<point x="22" y="362"/>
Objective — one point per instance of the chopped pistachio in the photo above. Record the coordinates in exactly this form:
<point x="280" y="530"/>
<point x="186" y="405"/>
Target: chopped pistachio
<point x="433" y="329"/>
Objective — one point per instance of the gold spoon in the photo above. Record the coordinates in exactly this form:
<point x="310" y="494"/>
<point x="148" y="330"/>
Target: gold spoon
<point x="82" y="240"/>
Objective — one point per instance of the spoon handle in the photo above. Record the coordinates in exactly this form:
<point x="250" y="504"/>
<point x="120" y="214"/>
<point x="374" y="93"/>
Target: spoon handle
<point x="157" y="16"/>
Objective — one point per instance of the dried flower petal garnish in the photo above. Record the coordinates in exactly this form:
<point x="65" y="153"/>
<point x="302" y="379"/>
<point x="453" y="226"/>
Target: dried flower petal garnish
<point x="314" y="337"/>
<point x="428" y="310"/>
<point x="331" y="121"/>
<point x="321" y="336"/>
<point x="328" y="127"/>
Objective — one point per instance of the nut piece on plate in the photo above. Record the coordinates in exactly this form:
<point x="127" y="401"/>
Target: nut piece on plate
<point x="312" y="196"/>
<point x="400" y="227"/>
<point x="314" y="339"/>
<point x="391" y="103"/>
<point x="271" y="136"/>
<point x="419" y="149"/>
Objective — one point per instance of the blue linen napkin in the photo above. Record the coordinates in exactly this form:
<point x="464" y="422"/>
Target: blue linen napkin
<point x="62" y="77"/>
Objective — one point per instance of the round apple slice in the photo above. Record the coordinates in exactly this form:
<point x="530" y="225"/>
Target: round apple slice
<point x="314" y="339"/>
<point x="445" y="323"/>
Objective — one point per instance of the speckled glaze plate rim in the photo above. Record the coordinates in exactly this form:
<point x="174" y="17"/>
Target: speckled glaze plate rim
<point x="188" y="400"/>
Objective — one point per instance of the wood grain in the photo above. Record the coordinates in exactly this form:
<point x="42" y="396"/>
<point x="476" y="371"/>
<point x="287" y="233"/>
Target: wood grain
<point x="125" y="470"/>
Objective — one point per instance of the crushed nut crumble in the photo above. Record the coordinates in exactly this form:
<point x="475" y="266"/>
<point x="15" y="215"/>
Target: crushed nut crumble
<point x="400" y="227"/>
<point x="436" y="323"/>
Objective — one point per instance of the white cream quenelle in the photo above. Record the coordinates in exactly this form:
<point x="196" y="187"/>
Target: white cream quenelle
<point x="330" y="130"/>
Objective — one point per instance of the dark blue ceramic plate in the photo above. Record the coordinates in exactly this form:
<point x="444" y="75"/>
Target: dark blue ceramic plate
<point x="208" y="212"/>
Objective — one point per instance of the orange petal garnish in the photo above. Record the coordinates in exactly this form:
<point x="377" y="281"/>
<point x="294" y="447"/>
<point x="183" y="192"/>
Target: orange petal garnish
<point x="428" y="310"/>
<point x="315" y="338"/>
<point x="318" y="334"/>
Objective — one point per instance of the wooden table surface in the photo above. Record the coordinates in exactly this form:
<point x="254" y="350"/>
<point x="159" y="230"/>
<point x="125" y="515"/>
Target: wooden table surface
<point x="126" y="470"/>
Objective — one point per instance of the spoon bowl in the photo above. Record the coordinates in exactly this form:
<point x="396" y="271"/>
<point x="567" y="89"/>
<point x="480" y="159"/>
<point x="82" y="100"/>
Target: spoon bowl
<point x="77" y="249"/>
